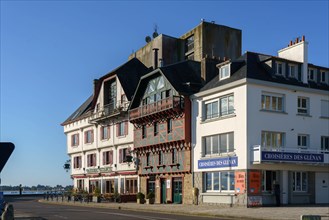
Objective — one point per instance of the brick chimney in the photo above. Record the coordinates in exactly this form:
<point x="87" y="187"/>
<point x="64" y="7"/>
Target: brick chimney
<point x="297" y="50"/>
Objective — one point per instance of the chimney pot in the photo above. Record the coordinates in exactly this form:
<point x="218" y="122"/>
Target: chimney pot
<point x="303" y="38"/>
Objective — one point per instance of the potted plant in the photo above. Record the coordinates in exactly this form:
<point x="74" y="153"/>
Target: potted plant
<point x="150" y="198"/>
<point x="116" y="197"/>
<point x="140" y="198"/>
<point x="97" y="195"/>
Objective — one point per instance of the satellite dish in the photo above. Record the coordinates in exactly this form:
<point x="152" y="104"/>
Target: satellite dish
<point x="155" y="34"/>
<point x="148" y="39"/>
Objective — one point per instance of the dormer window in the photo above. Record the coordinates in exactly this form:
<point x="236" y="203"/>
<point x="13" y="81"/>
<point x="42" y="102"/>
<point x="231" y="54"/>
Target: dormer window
<point x="279" y="68"/>
<point x="224" y="72"/>
<point x="311" y="74"/>
<point x="292" y="71"/>
<point x="323" y="76"/>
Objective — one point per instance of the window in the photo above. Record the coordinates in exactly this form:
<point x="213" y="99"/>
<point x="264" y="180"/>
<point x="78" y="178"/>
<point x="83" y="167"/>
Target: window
<point x="174" y="156"/>
<point x="150" y="186"/>
<point x="131" y="186"/>
<point x="161" y="158"/>
<point x="147" y="159"/>
<point x="123" y="153"/>
<point x="122" y="128"/>
<point x="105" y="133"/>
<point x="325" y="143"/>
<point x="325" y="108"/>
<point x="272" y="140"/>
<point x="75" y="140"/>
<point x="77" y="163"/>
<point x="107" y="157"/>
<point x="303" y="140"/>
<point x="219" y="181"/>
<point x="292" y="70"/>
<point x="279" y="68"/>
<point x="323" y="77"/>
<point x="272" y="102"/>
<point x="155" y="127"/>
<point x="224" y="72"/>
<point x="91" y="160"/>
<point x="221" y="107"/>
<point x="303" y="105"/>
<point x="217" y="144"/>
<point x="189" y="43"/>
<point x="169" y="125"/>
<point x="89" y="136"/>
<point x="123" y="98"/>
<point x="268" y="179"/>
<point x="310" y="75"/>
<point x="212" y="110"/>
<point x="143" y="131"/>
<point x="299" y="181"/>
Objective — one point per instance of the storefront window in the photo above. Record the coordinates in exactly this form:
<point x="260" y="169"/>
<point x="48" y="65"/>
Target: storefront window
<point x="299" y="180"/>
<point x="223" y="179"/>
<point x="268" y="179"/>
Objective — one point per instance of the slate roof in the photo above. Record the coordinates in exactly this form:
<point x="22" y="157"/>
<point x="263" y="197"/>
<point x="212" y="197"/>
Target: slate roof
<point x="80" y="112"/>
<point x="252" y="65"/>
<point x="184" y="76"/>
<point x="128" y="74"/>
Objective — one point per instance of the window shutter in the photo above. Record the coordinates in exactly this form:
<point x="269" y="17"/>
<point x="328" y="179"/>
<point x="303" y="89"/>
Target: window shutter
<point x="118" y="127"/>
<point x="80" y="162"/>
<point x="75" y="162"/>
<point x="108" y="131"/>
<point x="88" y="160"/>
<point x="104" y="158"/>
<point x="78" y="139"/>
<point x="128" y="151"/>
<point x="94" y="162"/>
<point x="85" y="133"/>
<point x="111" y="157"/>
<point x="72" y="140"/>
<point x="126" y="128"/>
<point x="120" y="156"/>
<point x="92" y="136"/>
<point x="101" y="129"/>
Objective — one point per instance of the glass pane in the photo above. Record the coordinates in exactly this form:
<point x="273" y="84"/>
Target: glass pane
<point x="304" y="181"/>
<point x="216" y="181"/>
<point x="231" y="174"/>
<point x="215" y="145"/>
<point x="268" y="139"/>
<point x="208" y="111"/>
<point x="214" y="109"/>
<point x="263" y="141"/>
<point x="208" y="181"/>
<point x="267" y="102"/>
<point x="274" y="104"/>
<point x="224" y="180"/>
<point x="231" y="104"/>
<point x="224" y="106"/>
<point x="280" y="104"/>
<point x="223" y="143"/>
<point x="298" y="182"/>
<point x="160" y="83"/>
<point x="231" y="142"/>
<point x="208" y="145"/>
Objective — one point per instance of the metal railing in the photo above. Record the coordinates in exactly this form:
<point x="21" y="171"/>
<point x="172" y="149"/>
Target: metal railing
<point x="113" y="108"/>
<point x="161" y="105"/>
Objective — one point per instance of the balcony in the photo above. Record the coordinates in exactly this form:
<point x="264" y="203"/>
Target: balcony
<point x="261" y="155"/>
<point x="108" y="111"/>
<point x="170" y="105"/>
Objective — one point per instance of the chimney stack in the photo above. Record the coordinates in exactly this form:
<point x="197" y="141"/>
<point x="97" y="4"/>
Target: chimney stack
<point x="155" y="56"/>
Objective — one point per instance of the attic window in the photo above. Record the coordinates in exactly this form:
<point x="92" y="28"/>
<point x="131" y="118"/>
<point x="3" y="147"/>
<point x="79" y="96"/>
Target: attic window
<point x="224" y="72"/>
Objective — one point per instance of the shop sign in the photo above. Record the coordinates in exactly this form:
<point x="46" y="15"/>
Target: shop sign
<point x="99" y="170"/>
<point x="240" y="182"/>
<point x="254" y="182"/>
<point x="218" y="162"/>
<point x="292" y="157"/>
<point x="92" y="170"/>
<point x="168" y="184"/>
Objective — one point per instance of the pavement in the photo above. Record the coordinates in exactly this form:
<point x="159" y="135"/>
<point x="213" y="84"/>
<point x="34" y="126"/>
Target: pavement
<point x="273" y="213"/>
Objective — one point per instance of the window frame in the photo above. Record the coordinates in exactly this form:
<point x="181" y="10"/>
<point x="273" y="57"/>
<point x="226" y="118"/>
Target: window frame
<point x="225" y="71"/>
<point x="74" y="140"/>
<point x="91" y="160"/>
<point x="105" y="132"/>
<point x="273" y="135"/>
<point x="229" y="136"/>
<point x="300" y="141"/>
<point x="218" y="102"/>
<point x="295" y="183"/>
<point x="311" y="74"/>
<point x="169" y="125"/>
<point x="279" y="64"/>
<point x="271" y="103"/>
<point x="230" y="183"/>
<point x="325" y="143"/>
<point x="89" y="136"/>
<point x="77" y="162"/>
<point x="294" y="68"/>
<point x="300" y="108"/>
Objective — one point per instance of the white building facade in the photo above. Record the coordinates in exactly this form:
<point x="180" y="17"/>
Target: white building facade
<point x="263" y="123"/>
<point x="100" y="137"/>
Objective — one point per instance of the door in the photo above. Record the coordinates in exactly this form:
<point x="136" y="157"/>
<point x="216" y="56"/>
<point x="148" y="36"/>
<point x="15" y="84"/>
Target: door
<point x="163" y="191"/>
<point x="177" y="190"/>
<point x="321" y="188"/>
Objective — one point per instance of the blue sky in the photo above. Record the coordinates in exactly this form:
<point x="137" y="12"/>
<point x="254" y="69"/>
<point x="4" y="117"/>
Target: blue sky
<point x="52" y="50"/>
